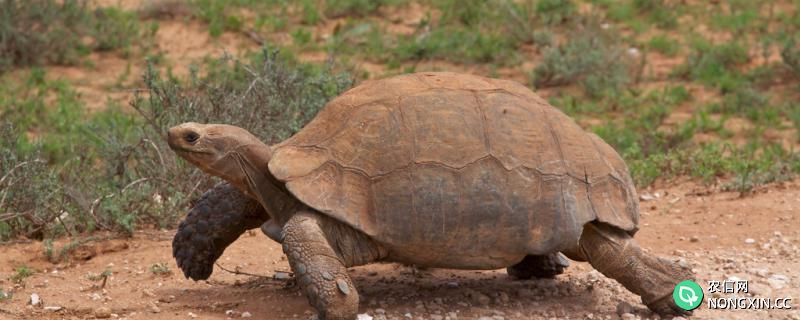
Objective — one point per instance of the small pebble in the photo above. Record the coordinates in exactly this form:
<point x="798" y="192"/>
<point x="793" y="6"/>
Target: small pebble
<point x="148" y="293"/>
<point x="280" y="275"/>
<point x="154" y="308"/>
<point x="35" y="300"/>
<point x="623" y="308"/>
<point x="778" y="281"/>
<point x="627" y="316"/>
<point x="102" y="313"/>
<point x="248" y="315"/>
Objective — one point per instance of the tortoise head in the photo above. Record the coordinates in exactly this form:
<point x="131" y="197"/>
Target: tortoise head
<point x="225" y="151"/>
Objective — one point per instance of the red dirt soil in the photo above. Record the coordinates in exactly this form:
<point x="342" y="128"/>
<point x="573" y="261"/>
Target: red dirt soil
<point x="706" y="229"/>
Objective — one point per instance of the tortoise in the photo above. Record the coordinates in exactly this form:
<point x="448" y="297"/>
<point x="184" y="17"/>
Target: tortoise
<point x="433" y="169"/>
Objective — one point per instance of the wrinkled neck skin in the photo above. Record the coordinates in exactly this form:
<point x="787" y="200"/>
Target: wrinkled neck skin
<point x="256" y="181"/>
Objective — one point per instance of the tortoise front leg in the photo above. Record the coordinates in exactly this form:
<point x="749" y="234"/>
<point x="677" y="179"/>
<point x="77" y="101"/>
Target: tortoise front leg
<point x="221" y="215"/>
<point x="544" y="266"/>
<point x="615" y="254"/>
<point x="309" y="240"/>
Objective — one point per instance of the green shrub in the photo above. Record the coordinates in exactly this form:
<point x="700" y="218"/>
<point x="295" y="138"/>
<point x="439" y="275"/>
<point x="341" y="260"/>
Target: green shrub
<point x="50" y="31"/>
<point x="357" y="8"/>
<point x="591" y="57"/>
<point x="468" y="13"/>
<point x="741" y="15"/>
<point x="30" y="199"/>
<point x="273" y="96"/>
<point x="790" y="54"/>
<point x="310" y="14"/>
<point x="115" y="28"/>
<point x="118" y="172"/>
<point x="218" y="16"/>
<point x="749" y="102"/>
<point x="521" y="20"/>
<point x="661" y="13"/>
<point x="664" y="45"/>
<point x="793" y="111"/>
<point x="457" y="45"/>
<point x="21" y="273"/>
<point x="555" y="11"/>
<point x="757" y="164"/>
<point x="41" y="31"/>
<point x="715" y="64"/>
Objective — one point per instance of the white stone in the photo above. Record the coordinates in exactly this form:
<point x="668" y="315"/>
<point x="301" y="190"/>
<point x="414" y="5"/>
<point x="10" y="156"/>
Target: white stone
<point x="35" y="300"/>
<point x="778" y="281"/>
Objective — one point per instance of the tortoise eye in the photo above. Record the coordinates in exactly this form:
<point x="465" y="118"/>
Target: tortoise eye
<point x="191" y="137"/>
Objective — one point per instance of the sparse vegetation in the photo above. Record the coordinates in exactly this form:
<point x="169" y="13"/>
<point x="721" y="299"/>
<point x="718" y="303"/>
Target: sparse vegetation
<point x="664" y="45"/>
<point x="21" y="273"/>
<point x="160" y="269"/>
<point x="791" y="54"/>
<point x="65" y="170"/>
<point x="133" y="177"/>
<point x="590" y="57"/>
<point x="352" y="8"/>
<point x="72" y="30"/>
<point x="102" y="276"/>
<point x="99" y="277"/>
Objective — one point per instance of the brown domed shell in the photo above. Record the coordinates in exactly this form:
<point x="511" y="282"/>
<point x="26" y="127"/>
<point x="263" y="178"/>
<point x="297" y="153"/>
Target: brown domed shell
<point x="429" y="157"/>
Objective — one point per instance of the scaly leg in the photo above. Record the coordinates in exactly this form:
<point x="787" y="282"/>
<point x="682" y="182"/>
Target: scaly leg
<point x="615" y="254"/>
<point x="309" y="240"/>
<point x="221" y="215"/>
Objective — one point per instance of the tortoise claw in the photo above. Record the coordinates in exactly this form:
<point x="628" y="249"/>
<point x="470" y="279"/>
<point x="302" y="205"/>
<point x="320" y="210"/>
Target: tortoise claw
<point x="666" y="308"/>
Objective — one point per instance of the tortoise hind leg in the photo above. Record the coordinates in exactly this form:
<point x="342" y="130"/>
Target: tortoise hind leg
<point x="544" y="266"/>
<point x="615" y="254"/>
<point x="221" y="215"/>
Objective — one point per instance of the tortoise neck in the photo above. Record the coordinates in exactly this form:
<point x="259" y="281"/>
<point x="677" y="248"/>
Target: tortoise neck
<point x="275" y="198"/>
<point x="260" y="184"/>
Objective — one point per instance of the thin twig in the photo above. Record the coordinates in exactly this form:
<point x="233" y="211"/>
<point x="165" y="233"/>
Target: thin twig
<point x="189" y="195"/>
<point x="12" y="215"/>
<point x="237" y="272"/>
<point x="96" y="202"/>
<point x="255" y="37"/>
<point x="3" y="198"/>
<point x="158" y="151"/>
<point x="64" y="225"/>
<point x="19" y="165"/>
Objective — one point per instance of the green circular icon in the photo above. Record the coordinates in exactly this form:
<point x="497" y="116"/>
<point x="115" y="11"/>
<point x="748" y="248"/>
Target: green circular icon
<point x="688" y="295"/>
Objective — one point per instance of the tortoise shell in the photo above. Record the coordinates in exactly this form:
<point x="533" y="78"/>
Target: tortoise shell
<point x="445" y="162"/>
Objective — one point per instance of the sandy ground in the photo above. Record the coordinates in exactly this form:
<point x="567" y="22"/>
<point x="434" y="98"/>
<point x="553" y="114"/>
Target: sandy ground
<point x="722" y="236"/>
